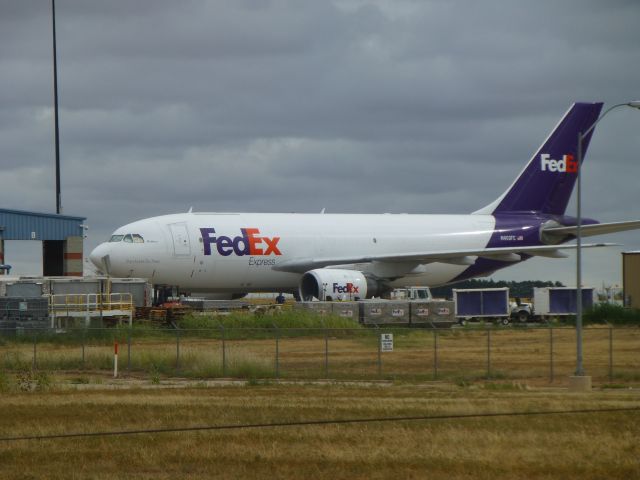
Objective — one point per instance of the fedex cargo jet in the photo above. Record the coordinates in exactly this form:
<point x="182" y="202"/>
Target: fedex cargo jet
<point x="339" y="256"/>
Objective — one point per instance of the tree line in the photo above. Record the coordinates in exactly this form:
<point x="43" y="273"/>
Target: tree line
<point x="516" y="289"/>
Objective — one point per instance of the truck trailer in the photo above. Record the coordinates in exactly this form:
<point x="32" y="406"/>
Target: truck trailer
<point x="549" y="302"/>
<point x="482" y="304"/>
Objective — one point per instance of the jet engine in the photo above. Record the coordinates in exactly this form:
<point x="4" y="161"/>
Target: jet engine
<point x="336" y="284"/>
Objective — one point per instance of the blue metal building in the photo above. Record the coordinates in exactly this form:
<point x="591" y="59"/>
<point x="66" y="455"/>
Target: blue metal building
<point x="61" y="237"/>
<point x="18" y="225"/>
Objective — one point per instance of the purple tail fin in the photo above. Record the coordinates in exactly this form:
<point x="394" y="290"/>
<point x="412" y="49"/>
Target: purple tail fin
<point x="547" y="181"/>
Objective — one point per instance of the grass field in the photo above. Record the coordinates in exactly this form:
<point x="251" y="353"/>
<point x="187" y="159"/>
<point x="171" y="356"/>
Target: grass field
<point x="538" y="355"/>
<point x="578" y="446"/>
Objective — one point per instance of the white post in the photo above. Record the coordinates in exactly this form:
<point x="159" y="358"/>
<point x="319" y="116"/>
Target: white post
<point x="115" y="360"/>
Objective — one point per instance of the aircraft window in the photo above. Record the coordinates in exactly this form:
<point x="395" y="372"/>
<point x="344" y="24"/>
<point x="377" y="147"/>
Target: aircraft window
<point x="128" y="239"/>
<point x="137" y="238"/>
<point x="116" y="238"/>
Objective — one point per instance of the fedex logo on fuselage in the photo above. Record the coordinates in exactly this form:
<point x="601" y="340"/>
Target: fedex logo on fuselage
<point x="249" y="243"/>
<point x="566" y="165"/>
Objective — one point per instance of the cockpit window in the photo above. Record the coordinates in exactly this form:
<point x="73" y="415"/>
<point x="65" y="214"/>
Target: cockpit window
<point x="129" y="238"/>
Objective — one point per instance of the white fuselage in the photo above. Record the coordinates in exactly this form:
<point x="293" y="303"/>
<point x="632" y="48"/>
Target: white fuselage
<point x="175" y="250"/>
<point x="363" y="255"/>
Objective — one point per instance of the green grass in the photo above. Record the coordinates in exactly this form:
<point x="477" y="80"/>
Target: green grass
<point x="606" y="313"/>
<point x="286" y="319"/>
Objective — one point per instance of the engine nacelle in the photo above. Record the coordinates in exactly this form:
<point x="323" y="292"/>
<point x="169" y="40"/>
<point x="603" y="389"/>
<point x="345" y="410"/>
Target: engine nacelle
<point x="335" y="284"/>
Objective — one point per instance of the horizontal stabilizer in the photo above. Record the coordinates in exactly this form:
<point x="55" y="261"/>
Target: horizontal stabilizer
<point x="466" y="260"/>
<point x="552" y="254"/>
<point x="595" y="229"/>
<point x="503" y="257"/>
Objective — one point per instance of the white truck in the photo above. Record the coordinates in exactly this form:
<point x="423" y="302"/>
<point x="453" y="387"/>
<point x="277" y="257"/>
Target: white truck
<point x="418" y="294"/>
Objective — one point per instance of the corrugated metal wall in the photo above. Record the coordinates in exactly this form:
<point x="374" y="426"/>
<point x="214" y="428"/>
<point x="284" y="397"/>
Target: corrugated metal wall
<point x="18" y="225"/>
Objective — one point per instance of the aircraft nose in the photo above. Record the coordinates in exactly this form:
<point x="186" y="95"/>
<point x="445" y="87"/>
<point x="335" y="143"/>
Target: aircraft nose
<point x="100" y="257"/>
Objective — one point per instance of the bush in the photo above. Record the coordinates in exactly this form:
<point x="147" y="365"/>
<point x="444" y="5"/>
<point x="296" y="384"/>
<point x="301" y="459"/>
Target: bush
<point x="29" y="380"/>
<point x="287" y="319"/>
<point x="607" y="313"/>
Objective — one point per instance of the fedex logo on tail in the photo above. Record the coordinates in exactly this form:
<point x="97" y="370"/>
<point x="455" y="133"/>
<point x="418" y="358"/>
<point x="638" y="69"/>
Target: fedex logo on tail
<point x="566" y="165"/>
<point x="249" y="243"/>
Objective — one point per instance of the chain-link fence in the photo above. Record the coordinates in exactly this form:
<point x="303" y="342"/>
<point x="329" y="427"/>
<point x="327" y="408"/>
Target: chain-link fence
<point x="545" y="353"/>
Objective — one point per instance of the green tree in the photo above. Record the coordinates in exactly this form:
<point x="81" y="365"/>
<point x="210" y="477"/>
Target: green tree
<point x="516" y="289"/>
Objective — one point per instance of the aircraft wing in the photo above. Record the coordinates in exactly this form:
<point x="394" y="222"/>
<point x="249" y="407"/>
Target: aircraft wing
<point x="456" y="257"/>
<point x="595" y="229"/>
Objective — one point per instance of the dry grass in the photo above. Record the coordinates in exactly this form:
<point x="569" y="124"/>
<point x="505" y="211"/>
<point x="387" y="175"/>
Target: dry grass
<point x="581" y="447"/>
<point x="461" y="356"/>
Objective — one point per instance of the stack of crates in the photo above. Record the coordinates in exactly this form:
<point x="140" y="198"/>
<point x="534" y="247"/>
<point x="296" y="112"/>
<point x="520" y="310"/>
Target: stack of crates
<point x="23" y="314"/>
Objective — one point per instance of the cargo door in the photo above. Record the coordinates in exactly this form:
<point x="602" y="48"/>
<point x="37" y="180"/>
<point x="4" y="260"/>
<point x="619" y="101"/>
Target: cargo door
<point x="495" y="302"/>
<point x="180" y="236"/>
<point x="468" y="304"/>
<point x="562" y="301"/>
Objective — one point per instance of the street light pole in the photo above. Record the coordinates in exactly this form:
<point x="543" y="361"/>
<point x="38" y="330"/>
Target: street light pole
<point x="581" y="137"/>
<point x="579" y="367"/>
<point x="55" y="109"/>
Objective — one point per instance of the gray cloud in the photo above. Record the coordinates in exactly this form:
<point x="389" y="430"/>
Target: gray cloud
<point x="356" y="106"/>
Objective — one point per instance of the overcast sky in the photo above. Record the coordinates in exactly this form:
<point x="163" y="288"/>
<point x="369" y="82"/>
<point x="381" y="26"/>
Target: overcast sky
<point x="279" y="106"/>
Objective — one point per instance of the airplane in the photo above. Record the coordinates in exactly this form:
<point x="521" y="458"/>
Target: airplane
<point x="355" y="256"/>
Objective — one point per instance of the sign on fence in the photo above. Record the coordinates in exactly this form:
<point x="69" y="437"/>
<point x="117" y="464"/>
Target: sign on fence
<point x="386" y="342"/>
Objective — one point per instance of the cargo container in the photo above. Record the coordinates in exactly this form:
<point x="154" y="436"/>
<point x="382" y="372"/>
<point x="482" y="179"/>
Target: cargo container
<point x="23" y="314"/>
<point x="321" y="308"/>
<point x="482" y="304"/>
<point x="22" y="288"/>
<point x="433" y="314"/>
<point x="379" y="312"/>
<point x="140" y="290"/>
<point x="559" y="301"/>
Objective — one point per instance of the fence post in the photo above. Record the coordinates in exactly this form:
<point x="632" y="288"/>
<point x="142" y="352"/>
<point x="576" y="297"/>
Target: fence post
<point x="84" y="335"/>
<point x="435" y="354"/>
<point x="224" y="354"/>
<point x="379" y="354"/>
<point x="129" y="350"/>
<point x="551" y="373"/>
<point x="326" y="353"/>
<point x="611" y="354"/>
<point x="277" y="351"/>
<point x="489" y="352"/>
<point x="35" y="362"/>
<point x="177" y="350"/>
